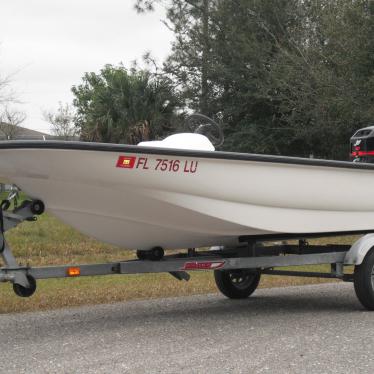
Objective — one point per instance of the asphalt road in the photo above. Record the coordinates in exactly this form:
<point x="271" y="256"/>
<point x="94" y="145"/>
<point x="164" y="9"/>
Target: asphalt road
<point x="310" y="329"/>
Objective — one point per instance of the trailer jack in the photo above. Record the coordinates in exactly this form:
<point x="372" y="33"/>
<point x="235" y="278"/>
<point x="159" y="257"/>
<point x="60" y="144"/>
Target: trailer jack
<point x="24" y="284"/>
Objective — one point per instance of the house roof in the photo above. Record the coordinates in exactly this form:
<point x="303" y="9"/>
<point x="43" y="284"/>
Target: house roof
<point x="8" y="132"/>
<point x="20" y="133"/>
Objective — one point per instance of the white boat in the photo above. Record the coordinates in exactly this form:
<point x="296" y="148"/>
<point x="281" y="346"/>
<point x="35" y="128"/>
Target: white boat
<point x="140" y="197"/>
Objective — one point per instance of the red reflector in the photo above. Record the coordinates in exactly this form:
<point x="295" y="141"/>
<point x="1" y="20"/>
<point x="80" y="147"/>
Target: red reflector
<point x="126" y="162"/>
<point x="363" y="153"/>
<point x="357" y="148"/>
<point x="73" y="272"/>
<point x="204" y="265"/>
<point x="366" y="153"/>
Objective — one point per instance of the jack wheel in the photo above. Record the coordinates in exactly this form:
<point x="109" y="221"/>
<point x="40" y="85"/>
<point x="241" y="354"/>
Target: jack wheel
<point x="238" y="283"/>
<point x="25" y="291"/>
<point x="5" y="204"/>
<point x="37" y="207"/>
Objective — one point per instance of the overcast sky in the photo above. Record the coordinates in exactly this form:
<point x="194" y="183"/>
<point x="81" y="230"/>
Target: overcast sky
<point x="47" y="45"/>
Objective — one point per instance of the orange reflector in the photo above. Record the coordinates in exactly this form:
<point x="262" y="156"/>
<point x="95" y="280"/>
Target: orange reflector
<point x="73" y="272"/>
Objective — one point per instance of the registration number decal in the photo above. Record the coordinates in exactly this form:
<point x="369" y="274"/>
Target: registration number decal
<point x="158" y="164"/>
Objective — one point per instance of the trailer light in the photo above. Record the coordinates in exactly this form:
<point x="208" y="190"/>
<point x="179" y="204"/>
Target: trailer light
<point x="362" y="153"/>
<point x="203" y="265"/>
<point x="73" y="272"/>
<point x="365" y="153"/>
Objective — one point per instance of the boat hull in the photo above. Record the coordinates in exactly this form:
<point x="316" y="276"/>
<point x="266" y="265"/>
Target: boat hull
<point x="139" y="198"/>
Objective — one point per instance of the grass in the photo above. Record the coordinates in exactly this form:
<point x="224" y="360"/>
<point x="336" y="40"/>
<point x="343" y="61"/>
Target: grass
<point x="49" y="242"/>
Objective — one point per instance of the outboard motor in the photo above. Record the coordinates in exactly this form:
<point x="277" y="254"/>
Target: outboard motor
<point x="362" y="145"/>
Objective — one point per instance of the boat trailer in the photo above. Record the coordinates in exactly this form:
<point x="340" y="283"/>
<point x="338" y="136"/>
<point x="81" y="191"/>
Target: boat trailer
<point x="237" y="270"/>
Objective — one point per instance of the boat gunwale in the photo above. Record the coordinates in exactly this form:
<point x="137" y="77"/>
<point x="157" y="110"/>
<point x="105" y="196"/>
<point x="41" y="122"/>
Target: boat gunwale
<point x="219" y="155"/>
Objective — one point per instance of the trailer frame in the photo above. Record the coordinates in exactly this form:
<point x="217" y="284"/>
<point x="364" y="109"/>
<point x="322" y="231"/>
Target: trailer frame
<point x="260" y="255"/>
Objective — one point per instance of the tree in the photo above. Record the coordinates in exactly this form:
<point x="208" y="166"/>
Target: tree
<point x="189" y="63"/>
<point x="287" y="77"/>
<point x="220" y="62"/>
<point x="116" y="103"/>
<point x="327" y="92"/>
<point x="248" y="36"/>
<point x="62" y="122"/>
<point x="6" y="94"/>
<point x="10" y="120"/>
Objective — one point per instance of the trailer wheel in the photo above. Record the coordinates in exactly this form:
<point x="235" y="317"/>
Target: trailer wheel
<point x="237" y="284"/>
<point x="25" y="291"/>
<point x="5" y="204"/>
<point x="364" y="281"/>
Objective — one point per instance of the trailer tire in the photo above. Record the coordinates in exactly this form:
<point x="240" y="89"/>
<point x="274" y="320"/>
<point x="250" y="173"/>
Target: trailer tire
<point x="237" y="284"/>
<point x="25" y="291"/>
<point x="364" y="281"/>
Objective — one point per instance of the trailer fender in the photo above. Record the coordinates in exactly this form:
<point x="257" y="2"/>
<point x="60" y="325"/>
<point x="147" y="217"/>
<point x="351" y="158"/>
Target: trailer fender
<point x="359" y="250"/>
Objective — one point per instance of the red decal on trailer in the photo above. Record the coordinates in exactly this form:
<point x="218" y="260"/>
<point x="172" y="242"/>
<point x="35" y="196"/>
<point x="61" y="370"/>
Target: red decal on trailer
<point x="126" y="162"/>
<point x="203" y="265"/>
